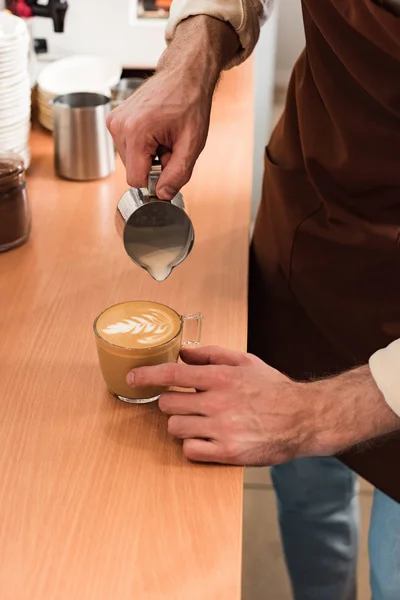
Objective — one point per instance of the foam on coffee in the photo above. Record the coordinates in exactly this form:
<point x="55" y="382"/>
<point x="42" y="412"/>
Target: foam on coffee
<point x="138" y="324"/>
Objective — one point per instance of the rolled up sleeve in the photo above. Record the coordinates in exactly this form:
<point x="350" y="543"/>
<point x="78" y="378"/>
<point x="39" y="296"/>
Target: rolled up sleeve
<point x="245" y="16"/>
<point x="385" y="369"/>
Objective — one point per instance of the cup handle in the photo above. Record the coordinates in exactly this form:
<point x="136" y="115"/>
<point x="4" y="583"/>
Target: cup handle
<point x="198" y="320"/>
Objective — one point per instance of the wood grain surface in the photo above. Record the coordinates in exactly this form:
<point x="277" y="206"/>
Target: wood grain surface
<point x="96" y="500"/>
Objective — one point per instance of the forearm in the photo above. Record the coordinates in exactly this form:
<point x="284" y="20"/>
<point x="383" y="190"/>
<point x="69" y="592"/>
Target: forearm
<point x="245" y="17"/>
<point x="350" y="409"/>
<point x="200" y="49"/>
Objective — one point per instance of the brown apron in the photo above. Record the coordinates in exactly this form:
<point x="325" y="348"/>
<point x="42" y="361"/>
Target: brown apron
<point x="324" y="269"/>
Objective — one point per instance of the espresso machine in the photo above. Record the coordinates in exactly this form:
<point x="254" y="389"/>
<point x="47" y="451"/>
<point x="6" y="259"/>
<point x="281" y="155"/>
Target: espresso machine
<point x="54" y="9"/>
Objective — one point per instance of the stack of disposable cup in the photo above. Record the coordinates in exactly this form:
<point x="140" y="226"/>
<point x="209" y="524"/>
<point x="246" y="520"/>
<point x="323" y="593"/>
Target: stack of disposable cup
<point x="15" y="87"/>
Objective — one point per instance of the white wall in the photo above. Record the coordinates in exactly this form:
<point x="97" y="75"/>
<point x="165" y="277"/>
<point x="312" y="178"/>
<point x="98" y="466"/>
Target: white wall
<point x="290" y="39"/>
<point x="264" y="83"/>
<point x="105" y="27"/>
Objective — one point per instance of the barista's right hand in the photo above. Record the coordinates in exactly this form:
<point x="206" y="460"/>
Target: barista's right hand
<point x="168" y="115"/>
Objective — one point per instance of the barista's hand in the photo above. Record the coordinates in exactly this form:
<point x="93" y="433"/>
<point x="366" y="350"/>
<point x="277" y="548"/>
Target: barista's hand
<point x="246" y="413"/>
<point x="170" y="113"/>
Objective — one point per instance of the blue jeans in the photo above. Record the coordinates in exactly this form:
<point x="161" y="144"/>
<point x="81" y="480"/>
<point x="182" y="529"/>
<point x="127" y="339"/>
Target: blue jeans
<point x="319" y="520"/>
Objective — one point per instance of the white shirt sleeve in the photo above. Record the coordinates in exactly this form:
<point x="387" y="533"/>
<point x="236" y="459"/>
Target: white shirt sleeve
<point x="245" y="16"/>
<point x="385" y="369"/>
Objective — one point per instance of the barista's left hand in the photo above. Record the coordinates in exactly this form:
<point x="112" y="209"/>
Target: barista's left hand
<point x="244" y="412"/>
<point x="247" y="413"/>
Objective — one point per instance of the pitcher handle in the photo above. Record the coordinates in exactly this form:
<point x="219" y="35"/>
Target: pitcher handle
<point x="154" y="176"/>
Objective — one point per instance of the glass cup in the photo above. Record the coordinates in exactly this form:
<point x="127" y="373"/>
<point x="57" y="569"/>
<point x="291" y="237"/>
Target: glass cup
<point x="116" y="360"/>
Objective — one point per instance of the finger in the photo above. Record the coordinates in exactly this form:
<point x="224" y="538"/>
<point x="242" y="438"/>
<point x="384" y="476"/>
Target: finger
<point x="138" y="164"/>
<point x="178" y="170"/>
<point x="184" y="403"/>
<point x="164" y="154"/>
<point x="215" y="355"/>
<point x="119" y="141"/>
<point x="111" y="123"/>
<point x="202" y="450"/>
<point x="190" y="427"/>
<point x="121" y="149"/>
<point x="177" y="375"/>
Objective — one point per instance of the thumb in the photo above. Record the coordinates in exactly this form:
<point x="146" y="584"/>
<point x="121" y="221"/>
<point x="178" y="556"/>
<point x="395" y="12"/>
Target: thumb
<point x="177" y="171"/>
<point x="215" y="355"/>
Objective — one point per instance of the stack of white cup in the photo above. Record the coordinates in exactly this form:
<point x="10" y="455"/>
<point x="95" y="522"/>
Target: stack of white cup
<point x="15" y="88"/>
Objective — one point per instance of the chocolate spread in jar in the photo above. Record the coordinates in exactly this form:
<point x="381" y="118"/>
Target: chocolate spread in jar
<point x="14" y="209"/>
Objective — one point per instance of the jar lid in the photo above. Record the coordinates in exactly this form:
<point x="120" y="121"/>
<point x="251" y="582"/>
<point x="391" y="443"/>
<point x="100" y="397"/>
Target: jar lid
<point x="11" y="167"/>
<point x="10" y="164"/>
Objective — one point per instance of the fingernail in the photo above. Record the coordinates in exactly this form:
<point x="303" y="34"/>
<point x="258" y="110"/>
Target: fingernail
<point x="167" y="192"/>
<point x="130" y="378"/>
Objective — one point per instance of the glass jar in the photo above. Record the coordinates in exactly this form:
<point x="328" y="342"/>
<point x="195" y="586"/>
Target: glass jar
<point x="15" y="221"/>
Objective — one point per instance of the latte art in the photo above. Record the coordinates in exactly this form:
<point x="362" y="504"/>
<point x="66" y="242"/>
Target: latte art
<point x="138" y="324"/>
<point x="149" y="328"/>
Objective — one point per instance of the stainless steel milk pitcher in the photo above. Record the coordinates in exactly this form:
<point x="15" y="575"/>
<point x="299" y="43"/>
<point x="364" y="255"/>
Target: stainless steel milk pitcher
<point x="157" y="235"/>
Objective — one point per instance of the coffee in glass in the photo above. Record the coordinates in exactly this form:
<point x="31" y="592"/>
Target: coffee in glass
<point x="135" y="334"/>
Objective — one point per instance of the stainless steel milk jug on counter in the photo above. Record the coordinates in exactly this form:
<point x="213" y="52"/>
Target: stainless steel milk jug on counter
<point x="84" y="148"/>
<point x="157" y="235"/>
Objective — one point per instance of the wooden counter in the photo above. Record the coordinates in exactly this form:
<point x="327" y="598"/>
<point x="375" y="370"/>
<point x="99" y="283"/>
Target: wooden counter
<point x="96" y="500"/>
